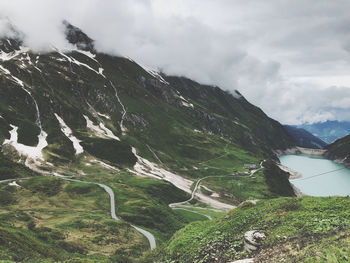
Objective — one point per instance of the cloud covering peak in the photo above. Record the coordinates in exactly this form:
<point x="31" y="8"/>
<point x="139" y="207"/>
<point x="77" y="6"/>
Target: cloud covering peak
<point x="291" y="58"/>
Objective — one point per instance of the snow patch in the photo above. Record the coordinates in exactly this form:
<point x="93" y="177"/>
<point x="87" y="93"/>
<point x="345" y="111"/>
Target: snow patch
<point x="29" y="151"/>
<point x="5" y="70"/>
<point x="14" y="183"/>
<point x="69" y="134"/>
<point x="144" y="167"/>
<point x="154" y="73"/>
<point x="108" y="132"/>
<point x="87" y="53"/>
<point x="110" y="167"/>
<point x="77" y="62"/>
<point x="100" y="130"/>
<point x="104" y="116"/>
<point x="188" y="105"/>
<point x="184" y="102"/>
<point x="8" y="56"/>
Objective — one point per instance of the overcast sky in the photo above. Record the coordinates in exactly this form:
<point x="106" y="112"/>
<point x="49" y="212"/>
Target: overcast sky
<point x="289" y="57"/>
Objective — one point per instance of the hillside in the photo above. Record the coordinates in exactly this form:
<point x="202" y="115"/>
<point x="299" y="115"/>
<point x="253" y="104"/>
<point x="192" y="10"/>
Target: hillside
<point x="308" y="229"/>
<point x="305" y="139"/>
<point x="328" y="131"/>
<point x="80" y="128"/>
<point x="339" y="151"/>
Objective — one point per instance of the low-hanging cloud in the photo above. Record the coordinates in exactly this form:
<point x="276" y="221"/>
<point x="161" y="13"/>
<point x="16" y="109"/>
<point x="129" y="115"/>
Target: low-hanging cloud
<point x="275" y="53"/>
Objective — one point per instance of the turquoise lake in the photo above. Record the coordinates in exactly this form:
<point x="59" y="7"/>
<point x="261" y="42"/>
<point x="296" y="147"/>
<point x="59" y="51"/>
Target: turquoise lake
<point x="336" y="181"/>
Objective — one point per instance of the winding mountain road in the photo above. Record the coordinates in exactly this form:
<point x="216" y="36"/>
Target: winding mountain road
<point x="176" y="205"/>
<point x="148" y="235"/>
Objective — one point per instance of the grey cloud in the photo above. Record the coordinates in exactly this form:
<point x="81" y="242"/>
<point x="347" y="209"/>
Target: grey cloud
<point x="257" y="47"/>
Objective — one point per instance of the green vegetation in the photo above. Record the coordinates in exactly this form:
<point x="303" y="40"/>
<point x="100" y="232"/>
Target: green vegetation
<point x="10" y="169"/>
<point x="55" y="220"/>
<point x="51" y="220"/>
<point x="339" y="149"/>
<point x="190" y="216"/>
<point x="111" y="150"/>
<point x="291" y="224"/>
<point x="144" y="201"/>
<point x="43" y="185"/>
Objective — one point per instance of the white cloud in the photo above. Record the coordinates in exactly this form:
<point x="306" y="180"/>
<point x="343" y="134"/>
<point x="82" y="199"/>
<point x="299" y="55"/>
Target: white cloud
<point x="289" y="57"/>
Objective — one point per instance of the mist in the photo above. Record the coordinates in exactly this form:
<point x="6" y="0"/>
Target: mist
<point x="291" y="58"/>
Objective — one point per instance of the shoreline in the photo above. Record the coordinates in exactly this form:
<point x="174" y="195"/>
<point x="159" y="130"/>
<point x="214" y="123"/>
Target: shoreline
<point x="297" y="191"/>
<point x="293" y="174"/>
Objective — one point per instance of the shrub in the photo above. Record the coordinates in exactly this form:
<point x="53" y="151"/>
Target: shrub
<point x="46" y="185"/>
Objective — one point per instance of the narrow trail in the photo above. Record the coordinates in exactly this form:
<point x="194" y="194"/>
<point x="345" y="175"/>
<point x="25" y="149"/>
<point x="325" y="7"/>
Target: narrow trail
<point x="154" y="154"/>
<point x="223" y="155"/>
<point x="179" y="204"/>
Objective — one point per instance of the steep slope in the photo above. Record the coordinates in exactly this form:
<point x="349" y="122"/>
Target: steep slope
<point x="305" y="139"/>
<point x="328" y="131"/>
<point x="233" y="116"/>
<point x="339" y="151"/>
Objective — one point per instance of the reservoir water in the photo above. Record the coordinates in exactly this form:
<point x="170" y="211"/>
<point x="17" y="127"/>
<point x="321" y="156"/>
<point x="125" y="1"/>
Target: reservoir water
<point x="321" y="177"/>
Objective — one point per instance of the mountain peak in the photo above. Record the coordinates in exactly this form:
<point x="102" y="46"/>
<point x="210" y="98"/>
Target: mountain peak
<point x="11" y="41"/>
<point x="77" y="37"/>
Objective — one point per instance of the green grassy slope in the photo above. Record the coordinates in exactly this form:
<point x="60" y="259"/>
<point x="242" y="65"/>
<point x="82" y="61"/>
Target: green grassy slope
<point x="10" y="169"/>
<point x="50" y="219"/>
<point x="297" y="230"/>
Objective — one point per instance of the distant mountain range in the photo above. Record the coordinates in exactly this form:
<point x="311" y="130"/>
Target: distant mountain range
<point x="303" y="138"/>
<point x="328" y="131"/>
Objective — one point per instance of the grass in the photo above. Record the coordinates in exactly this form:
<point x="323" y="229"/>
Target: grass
<point x="190" y="217"/>
<point x="289" y="223"/>
<point x="205" y="210"/>
<point x="58" y="222"/>
<point x="10" y="169"/>
<point x="144" y="202"/>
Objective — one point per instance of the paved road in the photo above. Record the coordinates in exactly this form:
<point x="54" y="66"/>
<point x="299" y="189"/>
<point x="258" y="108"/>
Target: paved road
<point x="174" y="205"/>
<point x="148" y="235"/>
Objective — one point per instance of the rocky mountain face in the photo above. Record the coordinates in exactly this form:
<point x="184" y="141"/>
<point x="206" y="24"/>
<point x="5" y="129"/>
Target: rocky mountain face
<point x="305" y="139"/>
<point x="116" y="92"/>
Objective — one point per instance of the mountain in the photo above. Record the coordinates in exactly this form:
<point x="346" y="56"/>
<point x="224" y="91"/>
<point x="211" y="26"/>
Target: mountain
<point x="305" y="139"/>
<point x="339" y="150"/>
<point x="106" y="158"/>
<point x="328" y="131"/>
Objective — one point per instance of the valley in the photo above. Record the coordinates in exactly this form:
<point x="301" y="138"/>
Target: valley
<point x="103" y="160"/>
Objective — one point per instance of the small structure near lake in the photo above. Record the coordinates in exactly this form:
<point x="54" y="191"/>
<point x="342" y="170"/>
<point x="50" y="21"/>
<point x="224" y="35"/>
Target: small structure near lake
<point x="250" y="166"/>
